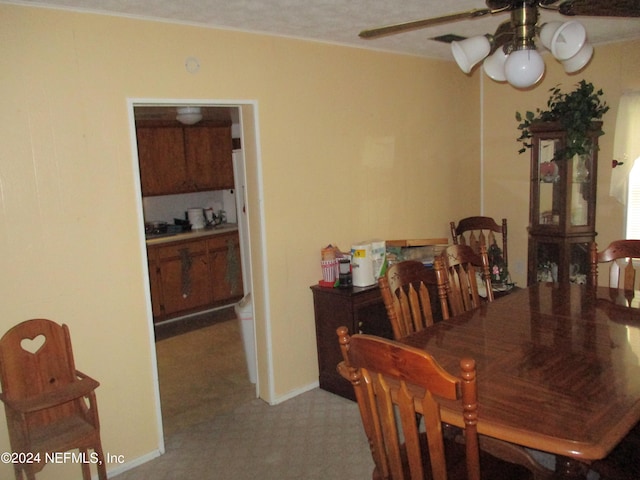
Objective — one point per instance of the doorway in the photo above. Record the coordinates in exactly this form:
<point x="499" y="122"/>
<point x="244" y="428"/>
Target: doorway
<point x="218" y="338"/>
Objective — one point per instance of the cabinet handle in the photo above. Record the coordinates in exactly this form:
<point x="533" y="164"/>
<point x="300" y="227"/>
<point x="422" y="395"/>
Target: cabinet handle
<point x="185" y="258"/>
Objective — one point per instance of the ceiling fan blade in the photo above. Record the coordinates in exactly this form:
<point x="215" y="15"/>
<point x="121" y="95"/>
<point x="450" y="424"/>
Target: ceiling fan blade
<point x="601" y="8"/>
<point x="428" y="22"/>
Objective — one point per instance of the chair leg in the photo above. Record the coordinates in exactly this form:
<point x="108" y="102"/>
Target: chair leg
<point x="102" y="466"/>
<point x="29" y="472"/>
<point x="21" y="471"/>
<point x="17" y="470"/>
<point x="86" y="466"/>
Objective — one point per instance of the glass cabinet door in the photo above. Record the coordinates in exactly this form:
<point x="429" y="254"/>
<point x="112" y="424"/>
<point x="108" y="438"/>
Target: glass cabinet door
<point x="562" y="190"/>
<point x="556" y="260"/>
<point x="580" y="190"/>
<point x="548" y="183"/>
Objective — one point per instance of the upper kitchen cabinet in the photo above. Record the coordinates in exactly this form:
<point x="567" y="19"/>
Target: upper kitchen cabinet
<point x="208" y="152"/>
<point x="182" y="159"/>
<point x="161" y="156"/>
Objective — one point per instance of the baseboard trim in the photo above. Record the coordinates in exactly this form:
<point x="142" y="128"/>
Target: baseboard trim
<point x="294" y="393"/>
<point x="132" y="464"/>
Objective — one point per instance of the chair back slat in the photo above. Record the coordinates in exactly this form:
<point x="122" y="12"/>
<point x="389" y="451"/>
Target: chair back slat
<point x="629" y="275"/>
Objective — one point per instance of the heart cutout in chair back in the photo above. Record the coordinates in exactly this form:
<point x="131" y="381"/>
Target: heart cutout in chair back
<point x="33" y="345"/>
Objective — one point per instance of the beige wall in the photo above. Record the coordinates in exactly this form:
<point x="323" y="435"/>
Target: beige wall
<point x="614" y="68"/>
<point x="351" y="144"/>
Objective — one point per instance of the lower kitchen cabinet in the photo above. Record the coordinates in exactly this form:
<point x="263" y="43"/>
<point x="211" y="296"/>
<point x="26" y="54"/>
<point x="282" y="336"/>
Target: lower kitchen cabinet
<point x="224" y="254"/>
<point x="361" y="310"/>
<point x="186" y="281"/>
<point x="188" y="276"/>
<point x="154" y="283"/>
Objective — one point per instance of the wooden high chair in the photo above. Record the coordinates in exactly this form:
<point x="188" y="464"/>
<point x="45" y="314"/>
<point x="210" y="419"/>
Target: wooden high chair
<point x="50" y="406"/>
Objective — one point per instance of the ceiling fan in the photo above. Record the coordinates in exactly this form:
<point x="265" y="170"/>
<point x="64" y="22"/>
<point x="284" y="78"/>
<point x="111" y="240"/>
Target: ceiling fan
<point x="510" y="53"/>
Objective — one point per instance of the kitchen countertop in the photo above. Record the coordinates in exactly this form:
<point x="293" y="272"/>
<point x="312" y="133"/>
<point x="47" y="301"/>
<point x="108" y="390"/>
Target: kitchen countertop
<point x="194" y="234"/>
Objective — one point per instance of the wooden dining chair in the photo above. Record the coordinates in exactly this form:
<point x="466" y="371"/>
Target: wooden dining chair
<point x="408" y="291"/>
<point x="389" y="380"/>
<point x="620" y="256"/>
<point x="476" y="231"/>
<point x="50" y="406"/>
<point x="467" y="277"/>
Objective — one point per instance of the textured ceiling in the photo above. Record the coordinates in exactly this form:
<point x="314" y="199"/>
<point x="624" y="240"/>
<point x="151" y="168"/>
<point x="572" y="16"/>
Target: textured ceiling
<point x="337" y="21"/>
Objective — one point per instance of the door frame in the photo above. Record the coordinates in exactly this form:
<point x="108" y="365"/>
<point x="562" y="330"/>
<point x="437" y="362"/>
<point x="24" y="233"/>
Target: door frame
<point x="256" y="237"/>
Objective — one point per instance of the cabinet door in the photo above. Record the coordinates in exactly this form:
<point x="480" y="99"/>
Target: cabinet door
<point x="332" y="309"/>
<point x="224" y="252"/>
<point x="185" y="277"/>
<point x="154" y="283"/>
<point x="559" y="259"/>
<point x="161" y="156"/>
<point x="208" y="151"/>
<point x="547" y="183"/>
<point x="361" y="310"/>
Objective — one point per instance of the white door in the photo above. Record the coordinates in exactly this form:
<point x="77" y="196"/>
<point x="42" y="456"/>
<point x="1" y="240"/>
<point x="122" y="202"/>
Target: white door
<point x="243" y="222"/>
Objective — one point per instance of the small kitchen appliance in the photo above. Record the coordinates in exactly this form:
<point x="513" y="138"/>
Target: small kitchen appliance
<point x="367" y="262"/>
<point x="196" y="218"/>
<point x="362" y="265"/>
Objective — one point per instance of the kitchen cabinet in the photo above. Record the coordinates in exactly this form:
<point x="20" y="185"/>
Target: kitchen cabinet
<point x="186" y="282"/>
<point x="209" y="157"/>
<point x="181" y="159"/>
<point x="154" y="283"/>
<point x="361" y="310"/>
<point x="192" y="275"/>
<point x="562" y="207"/>
<point x="224" y="252"/>
<point x="163" y="168"/>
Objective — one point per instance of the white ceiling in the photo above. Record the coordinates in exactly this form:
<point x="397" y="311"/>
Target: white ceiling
<point x="337" y="21"/>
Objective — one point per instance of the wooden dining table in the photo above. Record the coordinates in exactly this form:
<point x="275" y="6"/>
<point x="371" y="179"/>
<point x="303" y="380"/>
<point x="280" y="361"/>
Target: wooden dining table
<point x="558" y="368"/>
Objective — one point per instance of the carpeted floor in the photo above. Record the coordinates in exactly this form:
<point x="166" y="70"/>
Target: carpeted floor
<point x="314" y="436"/>
<point x="215" y="428"/>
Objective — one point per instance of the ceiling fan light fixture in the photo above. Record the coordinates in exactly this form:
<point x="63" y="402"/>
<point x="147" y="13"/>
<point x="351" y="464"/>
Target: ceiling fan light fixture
<point x="568" y="39"/>
<point x="189" y="115"/>
<point x="470" y="51"/>
<point x="524" y="68"/>
<point x="494" y="65"/>
<point x="579" y="60"/>
<point x="546" y="32"/>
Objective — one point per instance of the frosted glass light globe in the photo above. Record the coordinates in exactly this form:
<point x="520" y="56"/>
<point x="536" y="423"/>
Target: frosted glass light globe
<point x="494" y="65"/>
<point x="470" y="51"/>
<point x="524" y="68"/>
<point x="579" y="60"/>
